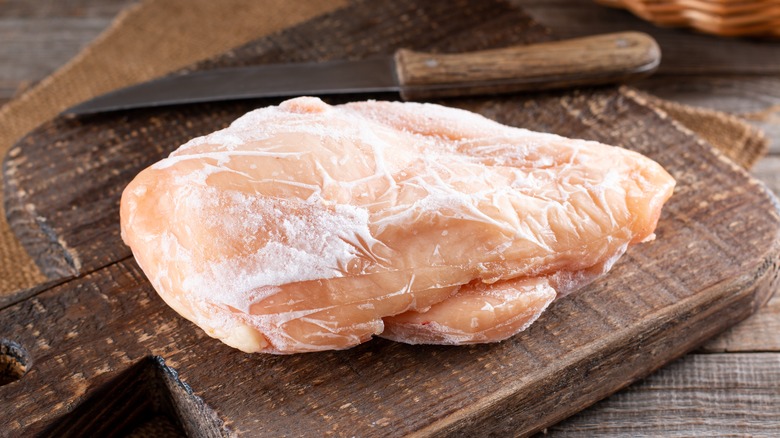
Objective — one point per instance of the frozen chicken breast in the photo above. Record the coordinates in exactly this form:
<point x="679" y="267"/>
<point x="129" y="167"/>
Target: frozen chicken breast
<point x="308" y="227"/>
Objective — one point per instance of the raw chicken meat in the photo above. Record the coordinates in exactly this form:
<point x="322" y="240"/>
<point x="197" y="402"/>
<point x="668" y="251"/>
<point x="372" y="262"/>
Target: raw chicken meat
<point x="309" y="227"/>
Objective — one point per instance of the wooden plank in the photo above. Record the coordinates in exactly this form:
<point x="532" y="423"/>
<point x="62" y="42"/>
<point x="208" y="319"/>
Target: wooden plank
<point x="63" y="8"/>
<point x="33" y="48"/>
<point x="40" y="36"/>
<point x="735" y="94"/>
<point x="699" y="395"/>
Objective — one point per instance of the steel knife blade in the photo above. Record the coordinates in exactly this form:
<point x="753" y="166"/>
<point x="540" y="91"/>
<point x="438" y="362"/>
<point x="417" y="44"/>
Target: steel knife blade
<point x="592" y="60"/>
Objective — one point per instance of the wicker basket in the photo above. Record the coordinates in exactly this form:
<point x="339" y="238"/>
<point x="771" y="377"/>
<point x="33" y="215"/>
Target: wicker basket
<point x="719" y="17"/>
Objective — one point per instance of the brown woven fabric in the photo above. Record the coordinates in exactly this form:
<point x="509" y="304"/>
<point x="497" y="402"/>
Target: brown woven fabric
<point x="158" y="36"/>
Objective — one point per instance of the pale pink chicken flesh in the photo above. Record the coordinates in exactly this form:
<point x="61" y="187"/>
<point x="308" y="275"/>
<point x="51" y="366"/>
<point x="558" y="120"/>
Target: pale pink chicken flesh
<point x="308" y="227"/>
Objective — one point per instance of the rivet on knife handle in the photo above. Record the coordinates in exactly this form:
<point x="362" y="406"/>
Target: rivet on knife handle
<point x="592" y="60"/>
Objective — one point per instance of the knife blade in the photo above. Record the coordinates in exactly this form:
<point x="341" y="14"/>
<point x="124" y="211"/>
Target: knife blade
<point x="594" y="60"/>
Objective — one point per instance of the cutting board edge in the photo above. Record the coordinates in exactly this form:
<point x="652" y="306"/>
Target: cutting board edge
<point x="49" y="252"/>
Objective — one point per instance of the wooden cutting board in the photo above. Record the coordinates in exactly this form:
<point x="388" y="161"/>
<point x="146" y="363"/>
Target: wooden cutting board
<point x="104" y="354"/>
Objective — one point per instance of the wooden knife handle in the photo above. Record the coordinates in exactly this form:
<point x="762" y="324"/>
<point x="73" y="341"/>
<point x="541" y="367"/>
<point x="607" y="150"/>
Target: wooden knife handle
<point x="591" y="60"/>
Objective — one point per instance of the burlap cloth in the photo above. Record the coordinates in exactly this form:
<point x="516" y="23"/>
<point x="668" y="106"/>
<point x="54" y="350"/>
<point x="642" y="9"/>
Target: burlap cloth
<point x="155" y="37"/>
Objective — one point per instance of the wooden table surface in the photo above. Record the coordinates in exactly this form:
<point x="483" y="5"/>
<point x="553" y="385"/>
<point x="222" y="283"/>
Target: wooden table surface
<point x="729" y="386"/>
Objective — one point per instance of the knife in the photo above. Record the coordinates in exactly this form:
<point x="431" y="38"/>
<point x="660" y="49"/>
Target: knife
<point x="591" y="60"/>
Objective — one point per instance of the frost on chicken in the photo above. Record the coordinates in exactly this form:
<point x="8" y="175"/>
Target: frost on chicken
<point x="307" y="227"/>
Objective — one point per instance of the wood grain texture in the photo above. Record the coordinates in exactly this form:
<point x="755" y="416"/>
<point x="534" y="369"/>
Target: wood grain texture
<point x="104" y="9"/>
<point x="596" y="60"/>
<point x="33" y="48"/>
<point x="95" y="328"/>
<point x="82" y="349"/>
<point x="760" y="332"/>
<point x="699" y="395"/>
<point x="40" y="36"/>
